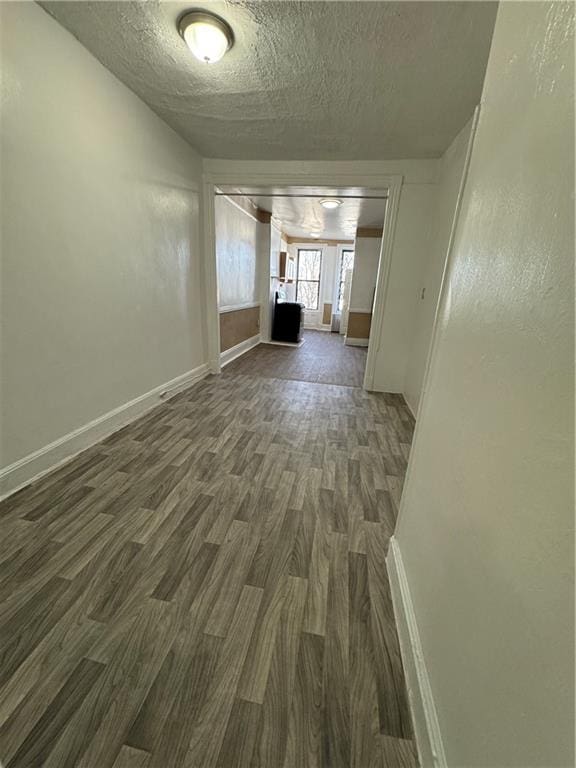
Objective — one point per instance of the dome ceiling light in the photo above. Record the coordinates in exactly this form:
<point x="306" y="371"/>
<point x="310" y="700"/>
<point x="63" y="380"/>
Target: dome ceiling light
<point x="330" y="203"/>
<point x="207" y="35"/>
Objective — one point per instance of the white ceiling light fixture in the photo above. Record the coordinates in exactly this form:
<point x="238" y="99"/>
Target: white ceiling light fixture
<point x="314" y="234"/>
<point x="330" y="203"/>
<point x="207" y="35"/>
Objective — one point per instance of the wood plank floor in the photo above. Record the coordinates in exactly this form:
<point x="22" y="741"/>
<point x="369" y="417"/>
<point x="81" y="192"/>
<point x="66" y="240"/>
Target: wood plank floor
<point x="207" y="587"/>
<point x="323" y="358"/>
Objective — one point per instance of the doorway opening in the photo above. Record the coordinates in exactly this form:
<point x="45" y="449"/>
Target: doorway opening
<point x="298" y="279"/>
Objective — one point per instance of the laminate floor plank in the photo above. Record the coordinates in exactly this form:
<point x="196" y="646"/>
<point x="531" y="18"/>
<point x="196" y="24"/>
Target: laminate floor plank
<point x="393" y="707"/>
<point x="272" y="736"/>
<point x="336" y="666"/>
<point x="207" y="586"/>
<point x="128" y="757"/>
<point x="210" y="727"/>
<point x="364" y="722"/>
<point x="398" y="753"/>
<point x="316" y="604"/>
<point x="37" y="745"/>
<point x="240" y="737"/>
<point x="30" y="691"/>
<point x="97" y="729"/>
<point x="304" y="737"/>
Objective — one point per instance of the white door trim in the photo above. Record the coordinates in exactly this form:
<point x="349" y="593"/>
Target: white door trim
<point x="210" y="277"/>
<point x="382" y="280"/>
<point x="312" y="175"/>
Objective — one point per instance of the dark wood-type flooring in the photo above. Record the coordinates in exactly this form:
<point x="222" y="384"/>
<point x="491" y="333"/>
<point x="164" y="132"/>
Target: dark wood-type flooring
<point x="323" y="358"/>
<point x="207" y="587"/>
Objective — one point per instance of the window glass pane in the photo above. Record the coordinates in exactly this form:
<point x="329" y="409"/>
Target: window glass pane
<point x="309" y="264"/>
<point x="308" y="277"/>
<point x="307" y="292"/>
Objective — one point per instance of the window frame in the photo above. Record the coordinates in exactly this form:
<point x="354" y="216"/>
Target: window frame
<point x="318" y="282"/>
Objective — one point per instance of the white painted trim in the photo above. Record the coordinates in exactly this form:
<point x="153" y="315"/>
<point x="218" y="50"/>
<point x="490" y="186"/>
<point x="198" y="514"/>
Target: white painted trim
<point x="382" y="279"/>
<point x="238" y="307"/>
<point x="352" y="342"/>
<point x="237" y="205"/>
<point x="231" y="354"/>
<point x="210" y="278"/>
<point x="44" y="460"/>
<point x="284" y="343"/>
<point x="264" y="282"/>
<point x="374" y="177"/>
<point x="424" y="717"/>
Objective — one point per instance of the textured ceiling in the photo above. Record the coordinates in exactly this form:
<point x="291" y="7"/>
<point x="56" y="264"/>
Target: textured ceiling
<point x="305" y="80"/>
<point x="305" y="217"/>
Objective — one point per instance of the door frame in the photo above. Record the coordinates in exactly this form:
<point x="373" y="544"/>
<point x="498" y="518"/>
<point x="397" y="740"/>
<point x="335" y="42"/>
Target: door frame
<point x="321" y="174"/>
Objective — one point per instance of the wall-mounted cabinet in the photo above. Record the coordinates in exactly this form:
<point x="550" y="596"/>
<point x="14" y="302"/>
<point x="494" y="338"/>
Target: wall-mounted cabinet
<point x="287" y="271"/>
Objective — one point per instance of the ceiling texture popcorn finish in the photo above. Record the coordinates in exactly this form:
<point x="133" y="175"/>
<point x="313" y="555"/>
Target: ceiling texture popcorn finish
<point x="304" y="80"/>
<point x="305" y="217"/>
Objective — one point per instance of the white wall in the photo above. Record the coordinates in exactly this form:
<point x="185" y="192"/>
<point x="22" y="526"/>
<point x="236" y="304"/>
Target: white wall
<point x="366" y="258"/>
<point x="408" y="264"/>
<point x="486" y="527"/>
<point x="450" y="177"/>
<point x="236" y="236"/>
<point x="101" y="297"/>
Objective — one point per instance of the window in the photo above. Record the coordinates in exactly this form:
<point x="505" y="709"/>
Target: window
<point x="308" y="277"/>
<point x="346" y="263"/>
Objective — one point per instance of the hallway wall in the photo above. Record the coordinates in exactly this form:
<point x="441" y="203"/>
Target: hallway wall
<point x="237" y="261"/>
<point x="450" y="177"/>
<point x="101" y="298"/>
<point x="486" y="528"/>
<point x="410" y="256"/>
<point x="235" y="252"/>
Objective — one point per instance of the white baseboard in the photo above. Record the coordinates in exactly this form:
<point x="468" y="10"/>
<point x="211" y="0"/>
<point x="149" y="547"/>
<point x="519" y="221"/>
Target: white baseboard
<point x="240" y="349"/>
<point x="315" y="327"/>
<point x="355" y="342"/>
<point x="293" y="344"/>
<point x="44" y="460"/>
<point x="425" y="720"/>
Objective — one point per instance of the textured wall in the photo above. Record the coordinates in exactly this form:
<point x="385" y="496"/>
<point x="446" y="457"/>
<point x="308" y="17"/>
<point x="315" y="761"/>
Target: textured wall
<point x="236" y="233"/>
<point x="101" y="298"/>
<point x="486" y="525"/>
<point x="452" y="166"/>
<point x="409" y="259"/>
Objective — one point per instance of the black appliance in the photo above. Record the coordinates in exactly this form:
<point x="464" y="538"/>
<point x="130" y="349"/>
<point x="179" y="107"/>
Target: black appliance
<point x="288" y="320"/>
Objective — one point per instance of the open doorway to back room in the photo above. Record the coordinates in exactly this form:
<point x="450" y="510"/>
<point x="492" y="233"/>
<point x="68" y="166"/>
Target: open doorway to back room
<point x="297" y="270"/>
